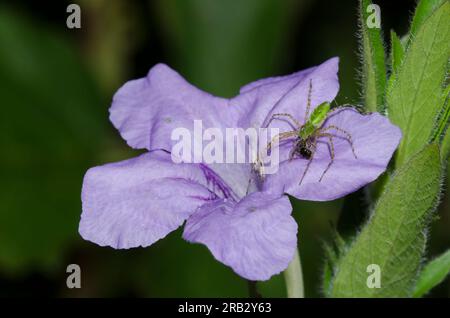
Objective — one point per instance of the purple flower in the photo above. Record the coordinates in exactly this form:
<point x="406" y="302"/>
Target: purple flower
<point x="245" y="221"/>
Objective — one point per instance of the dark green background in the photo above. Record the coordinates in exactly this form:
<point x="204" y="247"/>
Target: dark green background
<point x="56" y="85"/>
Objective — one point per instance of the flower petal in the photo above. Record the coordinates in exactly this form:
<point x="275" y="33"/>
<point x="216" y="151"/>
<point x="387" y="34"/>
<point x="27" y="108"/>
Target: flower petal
<point x="284" y="83"/>
<point x="287" y="94"/>
<point x="139" y="201"/>
<point x="256" y="237"/>
<point x="146" y="110"/>
<point x="374" y="140"/>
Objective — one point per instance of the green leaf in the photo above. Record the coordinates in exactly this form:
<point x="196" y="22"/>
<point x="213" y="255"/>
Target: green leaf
<point x="396" y="58"/>
<point x="424" y="10"/>
<point x="51" y="121"/>
<point x="433" y="274"/>
<point x="445" y="148"/>
<point x="414" y="99"/>
<point x="327" y="271"/>
<point x="373" y="61"/>
<point x="332" y="253"/>
<point x="394" y="237"/>
<point x="397" y="52"/>
<point x="443" y="120"/>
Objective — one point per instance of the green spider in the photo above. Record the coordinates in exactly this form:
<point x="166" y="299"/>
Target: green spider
<point x="307" y="135"/>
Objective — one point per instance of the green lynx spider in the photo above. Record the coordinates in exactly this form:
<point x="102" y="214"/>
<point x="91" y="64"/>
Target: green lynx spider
<point x="308" y="134"/>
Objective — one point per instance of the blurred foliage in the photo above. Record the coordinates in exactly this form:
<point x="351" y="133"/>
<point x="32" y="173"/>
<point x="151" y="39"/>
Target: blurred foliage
<point x="47" y="123"/>
<point x="56" y="85"/>
<point x="110" y="35"/>
<point x="224" y="51"/>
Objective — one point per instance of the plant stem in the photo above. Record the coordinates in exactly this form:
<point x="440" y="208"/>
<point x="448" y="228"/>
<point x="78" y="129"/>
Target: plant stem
<point x="294" y="278"/>
<point x="253" y="290"/>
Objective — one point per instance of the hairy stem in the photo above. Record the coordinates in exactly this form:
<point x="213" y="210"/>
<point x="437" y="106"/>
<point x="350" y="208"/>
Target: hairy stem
<point x="294" y="278"/>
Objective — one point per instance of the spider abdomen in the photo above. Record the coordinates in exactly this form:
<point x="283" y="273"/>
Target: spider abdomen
<point x="305" y="153"/>
<point x="303" y="149"/>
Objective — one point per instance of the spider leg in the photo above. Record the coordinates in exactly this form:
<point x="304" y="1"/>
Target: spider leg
<point x="330" y="149"/>
<point x="285" y="135"/>
<point x="248" y="185"/>
<point x="275" y="116"/>
<point x="281" y="136"/>
<point x="292" y="152"/>
<point x="308" y="104"/>
<point x="313" y="144"/>
<point x="347" y="137"/>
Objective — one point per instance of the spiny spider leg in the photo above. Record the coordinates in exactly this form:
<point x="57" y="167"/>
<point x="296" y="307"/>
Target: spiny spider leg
<point x="330" y="149"/>
<point x="347" y="137"/>
<point x="314" y="143"/>
<point x="292" y="153"/>
<point x="275" y="116"/>
<point x="308" y="104"/>
<point x="281" y="136"/>
<point x="248" y="185"/>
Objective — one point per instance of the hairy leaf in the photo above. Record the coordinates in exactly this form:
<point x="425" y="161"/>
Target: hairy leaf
<point x="424" y="10"/>
<point x="397" y="52"/>
<point x="433" y="273"/>
<point x="445" y="148"/>
<point x="444" y="116"/>
<point x="327" y="270"/>
<point x="332" y="253"/>
<point x="373" y="63"/>
<point x="396" y="58"/>
<point x="394" y="237"/>
<point x="414" y="99"/>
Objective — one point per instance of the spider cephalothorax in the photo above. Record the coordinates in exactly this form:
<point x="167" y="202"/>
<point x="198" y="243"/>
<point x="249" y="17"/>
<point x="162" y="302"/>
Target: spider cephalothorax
<point x="313" y="130"/>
